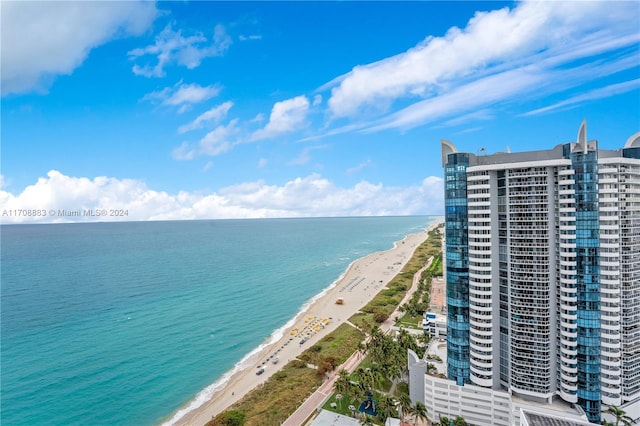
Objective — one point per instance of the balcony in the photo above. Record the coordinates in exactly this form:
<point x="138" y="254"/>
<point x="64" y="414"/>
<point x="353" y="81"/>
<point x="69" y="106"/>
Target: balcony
<point x="569" y="352"/>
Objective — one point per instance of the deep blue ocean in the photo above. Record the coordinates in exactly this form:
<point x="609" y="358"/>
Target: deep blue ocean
<point x="123" y="323"/>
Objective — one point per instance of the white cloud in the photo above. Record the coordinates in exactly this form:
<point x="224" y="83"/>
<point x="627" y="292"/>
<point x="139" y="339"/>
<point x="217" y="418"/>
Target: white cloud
<point x="286" y="116"/>
<point x="301" y="197"/>
<point x="533" y="81"/>
<point x="172" y="47"/>
<point x="359" y="167"/>
<point x="184" y="152"/>
<point x="476" y="94"/>
<point x="259" y="118"/>
<point x="216" y="142"/>
<point x="481" y="115"/>
<point x="41" y="40"/>
<point x="469" y="130"/>
<point x="316" y="196"/>
<point x="214" y="115"/>
<point x="243" y="37"/>
<point x="182" y="95"/>
<point x="305" y="155"/>
<point x="603" y="92"/>
<point x="57" y="192"/>
<point x="533" y="37"/>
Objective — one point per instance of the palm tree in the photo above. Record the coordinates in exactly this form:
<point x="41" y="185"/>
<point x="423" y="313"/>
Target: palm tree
<point x="386" y="408"/>
<point x="354" y="392"/>
<point x="360" y="384"/>
<point x="365" y="380"/>
<point x="342" y="385"/>
<point x="366" y="420"/>
<point x="444" y="421"/>
<point x="459" y="421"/>
<point x="420" y="411"/>
<point x="342" y="381"/>
<point x="424" y="339"/>
<point x="394" y="372"/>
<point x="620" y="415"/>
<point x="377" y="375"/>
<point x="362" y="349"/>
<point x="405" y="405"/>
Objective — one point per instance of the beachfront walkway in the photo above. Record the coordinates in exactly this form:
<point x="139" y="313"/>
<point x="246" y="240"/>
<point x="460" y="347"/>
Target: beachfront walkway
<point x="302" y="414"/>
<point x="308" y="408"/>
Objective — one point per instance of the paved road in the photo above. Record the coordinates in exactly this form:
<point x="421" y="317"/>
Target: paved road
<point x="309" y="406"/>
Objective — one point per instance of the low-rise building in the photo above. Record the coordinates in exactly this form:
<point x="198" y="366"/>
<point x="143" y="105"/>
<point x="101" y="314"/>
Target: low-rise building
<point x="434" y="325"/>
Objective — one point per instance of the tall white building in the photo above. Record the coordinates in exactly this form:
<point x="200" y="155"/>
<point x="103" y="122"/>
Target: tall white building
<point x="543" y="272"/>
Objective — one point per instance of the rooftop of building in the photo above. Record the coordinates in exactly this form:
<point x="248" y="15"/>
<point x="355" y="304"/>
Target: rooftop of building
<point x="536" y="419"/>
<point x="558" y="405"/>
<point x="438" y="347"/>
<point x="438" y="302"/>
<point x="328" y="418"/>
<point x="631" y="149"/>
<point x="438" y="317"/>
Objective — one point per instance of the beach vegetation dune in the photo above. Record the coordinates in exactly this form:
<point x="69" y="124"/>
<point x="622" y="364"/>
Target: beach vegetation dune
<point x="231" y="418"/>
<point x="338" y="345"/>
<point x="272" y="402"/>
<point x="278" y="397"/>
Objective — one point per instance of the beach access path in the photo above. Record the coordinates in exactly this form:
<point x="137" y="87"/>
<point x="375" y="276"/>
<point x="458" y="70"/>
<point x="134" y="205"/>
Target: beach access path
<point x="360" y="283"/>
<point x="305" y="412"/>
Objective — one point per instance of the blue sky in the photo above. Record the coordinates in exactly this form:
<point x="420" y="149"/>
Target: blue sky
<point x="192" y="110"/>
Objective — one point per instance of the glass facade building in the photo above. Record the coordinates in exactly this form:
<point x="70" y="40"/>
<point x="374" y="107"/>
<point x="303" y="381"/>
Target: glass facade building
<point x="585" y="167"/>
<point x="543" y="272"/>
<point x="457" y="264"/>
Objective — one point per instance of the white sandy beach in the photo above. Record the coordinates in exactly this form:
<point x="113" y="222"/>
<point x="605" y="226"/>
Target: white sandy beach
<point x="362" y="281"/>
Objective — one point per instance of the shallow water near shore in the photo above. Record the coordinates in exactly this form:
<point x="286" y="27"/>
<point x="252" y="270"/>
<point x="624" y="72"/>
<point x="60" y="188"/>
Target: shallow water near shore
<point x="123" y="323"/>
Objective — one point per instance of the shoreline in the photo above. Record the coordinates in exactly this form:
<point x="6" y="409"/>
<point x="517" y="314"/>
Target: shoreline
<point x="357" y="285"/>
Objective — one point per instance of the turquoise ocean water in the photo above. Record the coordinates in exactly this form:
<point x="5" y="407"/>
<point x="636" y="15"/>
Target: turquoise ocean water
<point x="123" y="323"/>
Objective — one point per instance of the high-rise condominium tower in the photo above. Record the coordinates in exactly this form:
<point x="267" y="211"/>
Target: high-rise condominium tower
<point x="543" y="272"/>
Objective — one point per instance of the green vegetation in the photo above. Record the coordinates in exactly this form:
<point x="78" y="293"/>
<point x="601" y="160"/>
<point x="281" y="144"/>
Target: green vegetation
<point x="445" y="421"/>
<point x="274" y="401"/>
<point x="337" y="346"/>
<point x="383" y="369"/>
<point x="435" y="269"/>
<point x="620" y="416"/>
<point x="284" y="392"/>
<point x="402" y="388"/>
<point x="229" y="418"/>
<point x="362" y="320"/>
<point x="419" y="303"/>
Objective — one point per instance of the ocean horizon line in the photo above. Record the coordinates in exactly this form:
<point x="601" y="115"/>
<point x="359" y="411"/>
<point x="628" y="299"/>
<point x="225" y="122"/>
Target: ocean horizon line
<point x="151" y="220"/>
